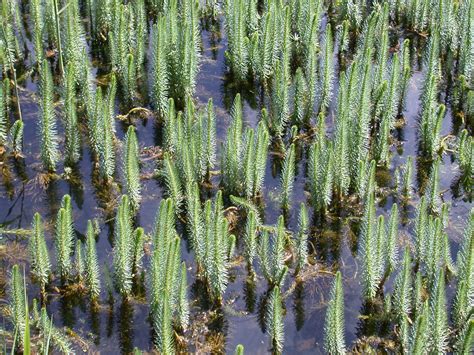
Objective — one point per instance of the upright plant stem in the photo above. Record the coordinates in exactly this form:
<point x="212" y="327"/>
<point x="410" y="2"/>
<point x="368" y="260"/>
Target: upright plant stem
<point x="58" y="36"/>
<point x="13" y="70"/>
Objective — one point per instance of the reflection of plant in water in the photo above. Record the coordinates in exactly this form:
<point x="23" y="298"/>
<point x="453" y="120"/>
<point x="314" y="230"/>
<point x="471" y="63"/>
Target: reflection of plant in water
<point x="125" y="330"/>
<point x="299" y="306"/>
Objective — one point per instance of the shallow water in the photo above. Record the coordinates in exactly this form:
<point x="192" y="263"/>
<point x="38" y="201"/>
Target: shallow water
<point x="120" y="326"/>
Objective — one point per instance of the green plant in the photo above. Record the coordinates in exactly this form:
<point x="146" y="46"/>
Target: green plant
<point x="47" y="123"/>
<point x="432" y="193"/>
<point x="92" y="273"/>
<point x="183" y="305"/>
<point x="463" y="305"/>
<point x="321" y="174"/>
<point x="231" y="156"/>
<point x="73" y="40"/>
<point x="326" y="70"/>
<point x="209" y="140"/>
<point x="370" y="248"/>
<point x="123" y="248"/>
<point x="168" y="298"/>
<point x="250" y="238"/>
<point x="391" y="243"/>
<point x="402" y="296"/>
<point x="288" y="177"/>
<point x="138" y="238"/>
<point x="131" y="168"/>
<point x="51" y="334"/>
<point x="466" y="153"/>
<point x="342" y="179"/>
<point x="247" y="205"/>
<point x="438" y="319"/>
<point x="160" y="73"/>
<point x="36" y="13"/>
<point x="300" y="101"/>
<point x="301" y="239"/>
<point x="421" y="229"/>
<point x="73" y="143"/>
<point x="4" y="119"/>
<point x="274" y="320"/>
<point x="466" y="43"/>
<point x="173" y="183"/>
<point x="254" y="159"/>
<point x="79" y="264"/>
<point x="16" y="304"/>
<point x="334" y="326"/>
<point x="405" y="73"/>
<point x="419" y="333"/>
<point x="10" y="49"/>
<point x="57" y="28"/>
<point x="239" y="350"/>
<point x="103" y="135"/>
<point x="237" y="53"/>
<point x="466" y="339"/>
<point x="280" y="106"/>
<point x="64" y="238"/>
<point x="15" y="136"/>
<point x="212" y="242"/>
<point x="272" y="254"/>
<point x="39" y="257"/>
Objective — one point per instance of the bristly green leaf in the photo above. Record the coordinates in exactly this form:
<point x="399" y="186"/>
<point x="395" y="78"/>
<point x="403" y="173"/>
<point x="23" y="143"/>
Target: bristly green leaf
<point x="369" y="249"/>
<point x="173" y="183"/>
<point x="231" y="157"/>
<point x="16" y="304"/>
<point x="301" y="239"/>
<point x="71" y="123"/>
<point x="320" y="173"/>
<point x="438" y="340"/>
<point x="334" y="326"/>
<point x="160" y="73"/>
<point x="4" y="119"/>
<point x="16" y="137"/>
<point x="79" y="264"/>
<point x="239" y="350"/>
<point x="402" y="296"/>
<point x="465" y="342"/>
<point x="64" y="238"/>
<point x="327" y="70"/>
<point x="466" y="154"/>
<point x="92" y="271"/>
<point x="432" y="193"/>
<point x="420" y="333"/>
<point x="288" y="177"/>
<point x="250" y="238"/>
<point x="300" y="98"/>
<point x="464" y="300"/>
<point x="392" y="239"/>
<point x="238" y="41"/>
<point x="123" y="248"/>
<point x="183" y="305"/>
<point x="131" y="168"/>
<point x="137" y="250"/>
<point x="272" y="254"/>
<point x="47" y="122"/>
<point x="274" y="321"/>
<point x="39" y="258"/>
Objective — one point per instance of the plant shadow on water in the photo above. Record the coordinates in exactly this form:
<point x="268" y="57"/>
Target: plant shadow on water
<point x="121" y="325"/>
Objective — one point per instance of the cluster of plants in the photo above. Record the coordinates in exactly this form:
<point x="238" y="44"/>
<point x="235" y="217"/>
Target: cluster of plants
<point x="333" y="78"/>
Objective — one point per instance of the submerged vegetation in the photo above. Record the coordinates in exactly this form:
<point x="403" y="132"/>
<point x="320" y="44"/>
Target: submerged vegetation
<point x="326" y="151"/>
